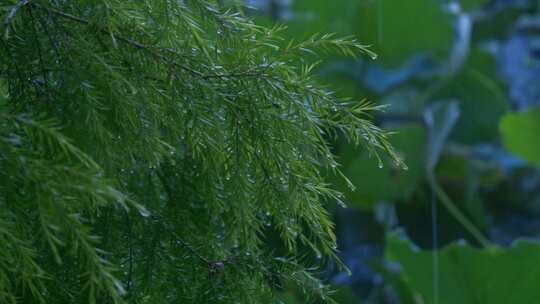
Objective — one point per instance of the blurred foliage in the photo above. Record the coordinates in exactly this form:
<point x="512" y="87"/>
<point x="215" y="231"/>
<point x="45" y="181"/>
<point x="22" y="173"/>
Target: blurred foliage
<point x="472" y="4"/>
<point x="476" y="92"/>
<point x="520" y="133"/>
<point x="392" y="27"/>
<point x="472" y="176"/>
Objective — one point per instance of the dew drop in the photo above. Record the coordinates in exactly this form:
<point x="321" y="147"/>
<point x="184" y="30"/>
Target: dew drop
<point x="143" y="211"/>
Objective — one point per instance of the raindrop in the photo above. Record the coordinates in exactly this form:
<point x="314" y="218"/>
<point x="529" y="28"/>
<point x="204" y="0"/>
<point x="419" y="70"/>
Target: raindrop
<point x="143" y="211"/>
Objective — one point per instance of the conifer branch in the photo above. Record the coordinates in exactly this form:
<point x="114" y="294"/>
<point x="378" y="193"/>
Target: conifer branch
<point x="150" y="49"/>
<point x="192" y="250"/>
<point x="197" y="116"/>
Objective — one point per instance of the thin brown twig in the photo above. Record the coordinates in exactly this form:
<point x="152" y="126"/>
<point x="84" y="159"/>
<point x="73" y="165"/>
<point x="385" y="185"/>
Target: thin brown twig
<point x="192" y="250"/>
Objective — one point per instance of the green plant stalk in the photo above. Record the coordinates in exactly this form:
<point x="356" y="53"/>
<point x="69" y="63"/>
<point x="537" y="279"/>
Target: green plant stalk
<point x="456" y="213"/>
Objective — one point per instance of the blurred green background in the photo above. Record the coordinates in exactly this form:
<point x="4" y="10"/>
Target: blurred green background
<point x="461" y="79"/>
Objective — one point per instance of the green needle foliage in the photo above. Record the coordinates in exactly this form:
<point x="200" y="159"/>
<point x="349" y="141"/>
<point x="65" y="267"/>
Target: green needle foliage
<point x="148" y="149"/>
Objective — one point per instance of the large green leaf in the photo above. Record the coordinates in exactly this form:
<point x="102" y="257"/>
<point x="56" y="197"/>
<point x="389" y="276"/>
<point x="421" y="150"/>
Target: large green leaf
<point x="482" y="100"/>
<point x="470" y="275"/>
<point x="521" y="134"/>
<point x="313" y="16"/>
<point x="401" y="29"/>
